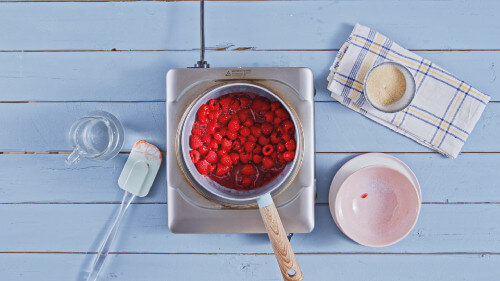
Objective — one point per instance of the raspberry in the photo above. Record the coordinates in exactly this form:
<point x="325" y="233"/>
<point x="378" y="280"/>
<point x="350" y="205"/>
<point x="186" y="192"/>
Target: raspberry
<point x="224" y="119"/>
<point x="245" y="157"/>
<point x="203" y="150"/>
<point x="224" y="103"/>
<point x="252" y="138"/>
<point x="226" y="160"/>
<point x="282" y="113"/>
<point x="221" y="153"/>
<point x="226" y="144"/>
<point x="248" y="170"/>
<point x="211" y="168"/>
<point x="257" y="149"/>
<point x="213" y="145"/>
<point x="263" y="140"/>
<point x="267" y="128"/>
<point x="286" y="137"/>
<point x="275" y="105"/>
<point x="274" y="155"/>
<point x="265" y="106"/>
<point x="243" y="114"/>
<point x="280" y="147"/>
<point x="233" y="126"/>
<point x="288" y="156"/>
<point x="244" y="101"/>
<point x="290" y="145"/>
<point x="236" y="145"/>
<point x="197" y="129"/>
<point x="214" y="115"/>
<point x="275" y="138"/>
<point x="267" y="162"/>
<point x="203" y="120"/>
<point x="280" y="158"/>
<point x="246" y="181"/>
<point x="213" y="104"/>
<point x="211" y="116"/>
<point x="248" y="123"/>
<point x="256" y="131"/>
<point x="206" y="138"/>
<point x="257" y="158"/>
<point x="249" y="146"/>
<point x="277" y="121"/>
<point x="288" y="126"/>
<point x="195" y="141"/>
<point x="202" y="167"/>
<point x="195" y="156"/>
<point x="222" y="169"/>
<point x="203" y="111"/>
<point x="235" y="157"/>
<point x="269" y="116"/>
<point x="235" y="104"/>
<point x="218" y="137"/>
<point x="267" y="149"/>
<point x="256" y="105"/>
<point x="211" y="157"/>
<point x="211" y="127"/>
<point x="244" y="131"/>
<point x="231" y="135"/>
<point x="223" y="131"/>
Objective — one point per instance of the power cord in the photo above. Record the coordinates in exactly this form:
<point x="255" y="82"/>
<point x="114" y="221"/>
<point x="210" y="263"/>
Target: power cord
<point x="202" y="63"/>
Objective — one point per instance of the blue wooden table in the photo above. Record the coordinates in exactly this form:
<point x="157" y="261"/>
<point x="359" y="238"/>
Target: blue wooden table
<point x="59" y="60"/>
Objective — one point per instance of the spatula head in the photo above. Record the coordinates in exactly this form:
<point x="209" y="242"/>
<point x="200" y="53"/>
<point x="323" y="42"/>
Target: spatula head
<point x="141" y="168"/>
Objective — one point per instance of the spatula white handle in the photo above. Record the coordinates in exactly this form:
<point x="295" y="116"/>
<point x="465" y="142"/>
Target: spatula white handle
<point x="110" y="236"/>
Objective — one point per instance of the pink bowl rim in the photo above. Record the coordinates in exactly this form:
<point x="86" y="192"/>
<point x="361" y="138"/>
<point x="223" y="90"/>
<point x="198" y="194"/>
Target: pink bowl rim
<point x="419" y="204"/>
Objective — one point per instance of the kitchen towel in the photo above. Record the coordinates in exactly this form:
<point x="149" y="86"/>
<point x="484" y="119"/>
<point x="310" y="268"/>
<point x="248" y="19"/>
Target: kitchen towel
<point x="444" y="111"/>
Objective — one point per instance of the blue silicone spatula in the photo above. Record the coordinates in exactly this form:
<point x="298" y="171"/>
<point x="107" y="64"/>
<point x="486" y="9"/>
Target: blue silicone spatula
<point x="135" y="179"/>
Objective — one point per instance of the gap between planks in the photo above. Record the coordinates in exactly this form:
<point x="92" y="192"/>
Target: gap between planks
<point x="165" y="203"/>
<point x="230" y="48"/>
<point x="317" y="152"/>
<point x="100" y="1"/>
<point x="262" y="254"/>
<point x="139" y="101"/>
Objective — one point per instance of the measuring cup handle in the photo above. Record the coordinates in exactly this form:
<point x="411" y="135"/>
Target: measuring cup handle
<point x="283" y="251"/>
<point x="73" y="158"/>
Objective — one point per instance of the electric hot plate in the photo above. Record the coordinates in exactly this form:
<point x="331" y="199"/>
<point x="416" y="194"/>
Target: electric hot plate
<point x="190" y="211"/>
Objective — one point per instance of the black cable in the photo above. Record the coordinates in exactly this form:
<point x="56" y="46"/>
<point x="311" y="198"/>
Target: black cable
<point x="202" y="30"/>
<point x="202" y="63"/>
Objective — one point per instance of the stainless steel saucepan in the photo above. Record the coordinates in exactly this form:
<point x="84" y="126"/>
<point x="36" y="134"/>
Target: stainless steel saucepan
<point x="247" y="198"/>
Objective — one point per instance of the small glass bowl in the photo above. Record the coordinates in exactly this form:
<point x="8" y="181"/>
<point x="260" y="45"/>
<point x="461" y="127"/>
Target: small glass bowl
<point x="407" y="97"/>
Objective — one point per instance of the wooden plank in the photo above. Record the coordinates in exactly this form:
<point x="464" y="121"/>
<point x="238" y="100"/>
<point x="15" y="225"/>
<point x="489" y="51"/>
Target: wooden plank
<point x="338" y="129"/>
<point x="442" y="180"/>
<point x="251" y="267"/>
<point x="78" y="228"/>
<point x="50" y="180"/>
<point x="43" y="127"/>
<point x="279" y="25"/>
<point x="140" y="76"/>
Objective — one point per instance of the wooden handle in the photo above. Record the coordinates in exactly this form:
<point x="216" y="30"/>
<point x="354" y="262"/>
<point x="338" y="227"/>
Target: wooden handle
<point x="282" y="249"/>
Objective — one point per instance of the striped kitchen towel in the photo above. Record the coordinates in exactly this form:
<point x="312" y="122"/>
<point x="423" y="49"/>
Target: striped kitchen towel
<point x="444" y="111"/>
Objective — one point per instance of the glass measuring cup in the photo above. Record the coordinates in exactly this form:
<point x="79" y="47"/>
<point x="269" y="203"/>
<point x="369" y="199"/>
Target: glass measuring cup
<point x="96" y="136"/>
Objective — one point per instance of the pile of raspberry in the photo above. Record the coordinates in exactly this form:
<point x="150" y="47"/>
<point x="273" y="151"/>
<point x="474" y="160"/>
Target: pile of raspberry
<point x="244" y="131"/>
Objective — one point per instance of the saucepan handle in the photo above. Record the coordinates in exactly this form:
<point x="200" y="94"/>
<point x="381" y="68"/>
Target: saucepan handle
<point x="282" y="249"/>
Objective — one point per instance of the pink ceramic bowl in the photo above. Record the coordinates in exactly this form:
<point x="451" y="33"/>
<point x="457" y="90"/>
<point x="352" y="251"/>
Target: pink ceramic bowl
<point x="376" y="206"/>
